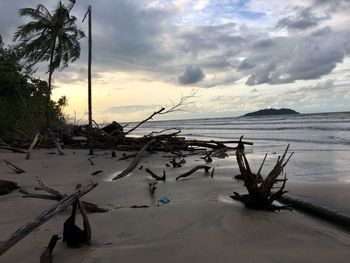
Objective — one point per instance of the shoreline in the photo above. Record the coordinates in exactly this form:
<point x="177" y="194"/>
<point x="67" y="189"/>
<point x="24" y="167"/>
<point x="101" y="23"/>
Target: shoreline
<point x="200" y="224"/>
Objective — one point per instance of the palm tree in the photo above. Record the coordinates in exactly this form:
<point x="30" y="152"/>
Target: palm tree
<point x="50" y="36"/>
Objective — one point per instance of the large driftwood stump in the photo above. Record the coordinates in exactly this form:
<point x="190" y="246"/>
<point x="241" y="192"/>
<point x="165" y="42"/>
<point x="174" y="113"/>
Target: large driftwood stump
<point x="7" y="186"/>
<point x="260" y="195"/>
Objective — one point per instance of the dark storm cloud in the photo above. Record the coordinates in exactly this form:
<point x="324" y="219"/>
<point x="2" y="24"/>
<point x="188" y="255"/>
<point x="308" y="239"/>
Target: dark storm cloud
<point x="302" y="20"/>
<point x="191" y="75"/>
<point x="129" y="35"/>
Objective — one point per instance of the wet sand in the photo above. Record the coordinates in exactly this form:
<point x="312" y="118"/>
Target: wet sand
<point x="200" y="224"/>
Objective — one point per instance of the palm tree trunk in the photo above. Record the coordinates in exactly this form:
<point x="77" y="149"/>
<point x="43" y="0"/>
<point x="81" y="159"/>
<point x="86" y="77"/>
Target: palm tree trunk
<point x="47" y="110"/>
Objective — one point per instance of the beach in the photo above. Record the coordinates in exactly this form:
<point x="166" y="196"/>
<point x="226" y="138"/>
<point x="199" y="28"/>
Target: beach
<point x="200" y="224"/>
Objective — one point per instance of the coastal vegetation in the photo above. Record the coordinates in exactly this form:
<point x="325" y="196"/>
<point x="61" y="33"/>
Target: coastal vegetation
<point x="49" y="36"/>
<point x="23" y="98"/>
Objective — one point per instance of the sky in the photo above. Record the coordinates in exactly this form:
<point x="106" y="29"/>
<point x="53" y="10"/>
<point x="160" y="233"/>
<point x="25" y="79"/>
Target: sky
<point x="232" y="56"/>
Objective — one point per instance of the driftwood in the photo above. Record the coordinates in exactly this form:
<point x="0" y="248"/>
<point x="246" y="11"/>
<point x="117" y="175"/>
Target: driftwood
<point x="260" y="195"/>
<point x="97" y="172"/>
<point x="7" y="186"/>
<point x="212" y="173"/>
<point x="152" y="187"/>
<point x="158" y="178"/>
<point x="46" y="255"/>
<point x="179" y="163"/>
<point x="57" y="196"/>
<point x="13" y="167"/>
<point x="32" y="145"/>
<point x="42" y="218"/>
<point x="134" y="163"/>
<point x="13" y="149"/>
<point x="205" y="167"/>
<point x="58" y="146"/>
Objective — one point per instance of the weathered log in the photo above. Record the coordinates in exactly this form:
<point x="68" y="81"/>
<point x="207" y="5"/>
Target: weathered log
<point x="205" y="167"/>
<point x="134" y="163"/>
<point x="42" y="218"/>
<point x="13" y="167"/>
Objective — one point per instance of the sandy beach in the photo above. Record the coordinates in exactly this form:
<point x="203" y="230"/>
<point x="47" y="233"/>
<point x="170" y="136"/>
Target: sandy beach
<point x="200" y="224"/>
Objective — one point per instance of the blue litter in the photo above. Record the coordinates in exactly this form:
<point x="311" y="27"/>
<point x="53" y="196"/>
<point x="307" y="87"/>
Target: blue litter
<point x="164" y="200"/>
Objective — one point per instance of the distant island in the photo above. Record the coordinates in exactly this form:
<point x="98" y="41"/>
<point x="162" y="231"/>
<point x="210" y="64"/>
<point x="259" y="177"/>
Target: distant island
<point x="271" y="111"/>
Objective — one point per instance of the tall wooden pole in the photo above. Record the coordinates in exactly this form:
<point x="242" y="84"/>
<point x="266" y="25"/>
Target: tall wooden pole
<point x="90" y="139"/>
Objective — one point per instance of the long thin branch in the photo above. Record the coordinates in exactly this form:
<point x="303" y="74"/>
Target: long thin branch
<point x="147" y="119"/>
<point x="205" y="167"/>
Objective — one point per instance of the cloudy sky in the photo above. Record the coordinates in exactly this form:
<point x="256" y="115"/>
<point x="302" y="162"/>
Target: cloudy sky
<point x="237" y="56"/>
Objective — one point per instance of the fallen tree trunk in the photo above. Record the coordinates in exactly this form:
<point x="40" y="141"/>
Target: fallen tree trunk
<point x="205" y="167"/>
<point x="45" y="216"/>
<point x="134" y="162"/>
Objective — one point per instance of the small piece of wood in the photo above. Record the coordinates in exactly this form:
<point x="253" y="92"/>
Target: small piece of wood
<point x="58" y="146"/>
<point x="212" y="173"/>
<point x="13" y="167"/>
<point x="32" y="145"/>
<point x="134" y="162"/>
<point x="158" y="178"/>
<point x="42" y="218"/>
<point x="152" y="187"/>
<point x="97" y="172"/>
<point x="205" y="167"/>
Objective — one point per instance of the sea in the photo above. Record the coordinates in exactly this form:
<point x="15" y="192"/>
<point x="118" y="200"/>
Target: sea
<point x="320" y="141"/>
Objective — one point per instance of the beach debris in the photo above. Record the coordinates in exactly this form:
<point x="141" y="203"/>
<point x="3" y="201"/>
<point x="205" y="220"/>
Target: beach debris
<point x="13" y="167"/>
<point x="57" y="196"/>
<point x="158" y="178"/>
<point x="164" y="200"/>
<point x="141" y="167"/>
<point x="53" y="137"/>
<point x="45" y="216"/>
<point x="13" y="149"/>
<point x="198" y="167"/>
<point x="260" y="195"/>
<point x="113" y="154"/>
<point x="212" y="172"/>
<point x="97" y="172"/>
<point x="134" y="162"/>
<point x="7" y="187"/>
<point x="46" y="255"/>
<point x="179" y="163"/>
<point x="152" y="187"/>
<point x="125" y="156"/>
<point x="32" y="145"/>
<point x="91" y="162"/>
<point x="139" y="206"/>
<point x="72" y="234"/>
